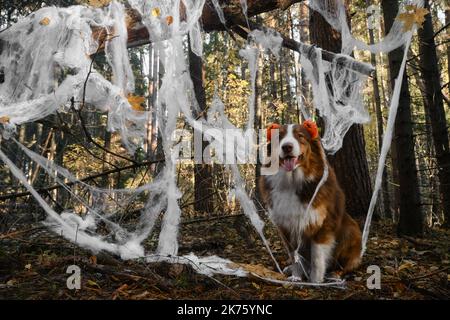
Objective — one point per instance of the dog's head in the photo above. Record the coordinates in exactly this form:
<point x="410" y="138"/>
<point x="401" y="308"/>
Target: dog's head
<point x="297" y="143"/>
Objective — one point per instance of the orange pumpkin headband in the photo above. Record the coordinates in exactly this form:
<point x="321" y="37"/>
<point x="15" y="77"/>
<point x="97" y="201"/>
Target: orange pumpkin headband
<point x="309" y="126"/>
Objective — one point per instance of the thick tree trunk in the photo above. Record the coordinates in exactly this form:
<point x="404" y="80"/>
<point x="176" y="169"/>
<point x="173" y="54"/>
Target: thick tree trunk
<point x="203" y="186"/>
<point x="411" y="220"/>
<point x="350" y="162"/>
<point x="434" y="102"/>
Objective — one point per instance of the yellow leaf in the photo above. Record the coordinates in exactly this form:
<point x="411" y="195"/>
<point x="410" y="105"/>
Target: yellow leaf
<point x="412" y="16"/>
<point x="45" y="21"/>
<point x="407" y="265"/>
<point x="156" y="12"/>
<point x="256" y="286"/>
<point x="96" y="3"/>
<point x="4" y="120"/>
<point x="93" y="284"/>
<point x="169" y="20"/>
<point x="136" y="102"/>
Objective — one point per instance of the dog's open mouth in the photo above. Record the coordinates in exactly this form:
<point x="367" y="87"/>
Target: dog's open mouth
<point x="289" y="163"/>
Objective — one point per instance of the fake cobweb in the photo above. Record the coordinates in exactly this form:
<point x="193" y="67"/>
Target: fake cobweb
<point x="46" y="62"/>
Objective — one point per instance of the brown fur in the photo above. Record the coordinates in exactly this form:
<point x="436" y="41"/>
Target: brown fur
<point x="334" y="223"/>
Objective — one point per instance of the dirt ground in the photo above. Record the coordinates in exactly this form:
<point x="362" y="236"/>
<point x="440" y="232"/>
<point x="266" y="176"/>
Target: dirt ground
<point x="33" y="264"/>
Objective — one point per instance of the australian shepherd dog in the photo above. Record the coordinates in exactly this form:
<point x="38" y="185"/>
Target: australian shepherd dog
<point x="319" y="235"/>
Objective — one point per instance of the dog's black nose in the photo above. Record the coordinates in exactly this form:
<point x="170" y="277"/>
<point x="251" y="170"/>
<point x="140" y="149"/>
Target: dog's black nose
<point x="287" y="148"/>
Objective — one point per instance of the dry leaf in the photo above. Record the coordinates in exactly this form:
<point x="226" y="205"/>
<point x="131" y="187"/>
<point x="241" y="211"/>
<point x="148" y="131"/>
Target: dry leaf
<point x="115" y="278"/>
<point x="389" y="270"/>
<point x="122" y="288"/>
<point x="45" y="21"/>
<point x="156" y="12"/>
<point x="259" y="270"/>
<point x="256" y="286"/>
<point x="4" y="120"/>
<point x="407" y="265"/>
<point x="136" y="102"/>
<point x="11" y="282"/>
<point x="412" y="16"/>
<point x="96" y="3"/>
<point x="93" y="284"/>
<point x="93" y="260"/>
<point x="169" y="20"/>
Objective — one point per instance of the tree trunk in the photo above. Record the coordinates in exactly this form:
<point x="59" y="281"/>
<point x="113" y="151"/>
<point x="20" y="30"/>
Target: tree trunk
<point x="203" y="185"/>
<point x="433" y="192"/>
<point x="411" y="220"/>
<point x="447" y="22"/>
<point x="350" y="162"/>
<point x="386" y="206"/>
<point x="304" y="37"/>
<point x="257" y="124"/>
<point x="434" y="102"/>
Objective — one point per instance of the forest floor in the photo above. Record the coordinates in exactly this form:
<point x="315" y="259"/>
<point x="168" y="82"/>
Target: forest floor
<point x="33" y="264"/>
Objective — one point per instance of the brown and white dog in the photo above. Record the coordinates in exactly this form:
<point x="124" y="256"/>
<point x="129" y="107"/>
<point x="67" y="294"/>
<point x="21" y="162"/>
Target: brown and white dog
<point x="328" y="238"/>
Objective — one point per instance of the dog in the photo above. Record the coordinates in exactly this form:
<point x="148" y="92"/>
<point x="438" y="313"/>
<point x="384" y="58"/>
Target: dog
<point x="321" y="231"/>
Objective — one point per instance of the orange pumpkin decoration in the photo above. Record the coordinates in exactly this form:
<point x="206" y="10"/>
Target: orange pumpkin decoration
<point x="311" y="127"/>
<point x="271" y="127"/>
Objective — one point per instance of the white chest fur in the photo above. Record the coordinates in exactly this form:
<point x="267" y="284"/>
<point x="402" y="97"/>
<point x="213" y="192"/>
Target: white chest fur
<point x="287" y="210"/>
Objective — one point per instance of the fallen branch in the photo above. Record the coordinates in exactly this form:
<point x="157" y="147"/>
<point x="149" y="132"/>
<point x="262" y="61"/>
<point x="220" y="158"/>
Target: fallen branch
<point x="300" y="47"/>
<point x="138" y="34"/>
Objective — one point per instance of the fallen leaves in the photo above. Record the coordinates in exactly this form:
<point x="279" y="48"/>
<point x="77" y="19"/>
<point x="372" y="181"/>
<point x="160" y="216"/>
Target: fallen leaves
<point x="259" y="270"/>
<point x="412" y="16"/>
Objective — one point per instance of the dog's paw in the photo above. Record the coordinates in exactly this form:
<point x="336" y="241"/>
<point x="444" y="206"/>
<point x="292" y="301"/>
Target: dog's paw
<point x="335" y="276"/>
<point x="316" y="278"/>
<point x="295" y="279"/>
<point x="295" y="270"/>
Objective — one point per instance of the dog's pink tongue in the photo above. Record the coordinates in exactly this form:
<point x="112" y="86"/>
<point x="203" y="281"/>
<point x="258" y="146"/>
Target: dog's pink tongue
<point x="289" y="164"/>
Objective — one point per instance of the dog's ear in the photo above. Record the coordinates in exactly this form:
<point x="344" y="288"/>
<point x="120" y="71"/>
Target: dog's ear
<point x="272" y="126"/>
<point x="312" y="128"/>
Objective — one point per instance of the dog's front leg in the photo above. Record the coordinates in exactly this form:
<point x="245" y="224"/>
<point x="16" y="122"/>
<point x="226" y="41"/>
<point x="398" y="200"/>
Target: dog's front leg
<point x="320" y="255"/>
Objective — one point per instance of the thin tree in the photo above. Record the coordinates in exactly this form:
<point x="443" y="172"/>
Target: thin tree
<point x="386" y="209"/>
<point x="350" y="162"/>
<point x="203" y="182"/>
<point x="411" y="220"/>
